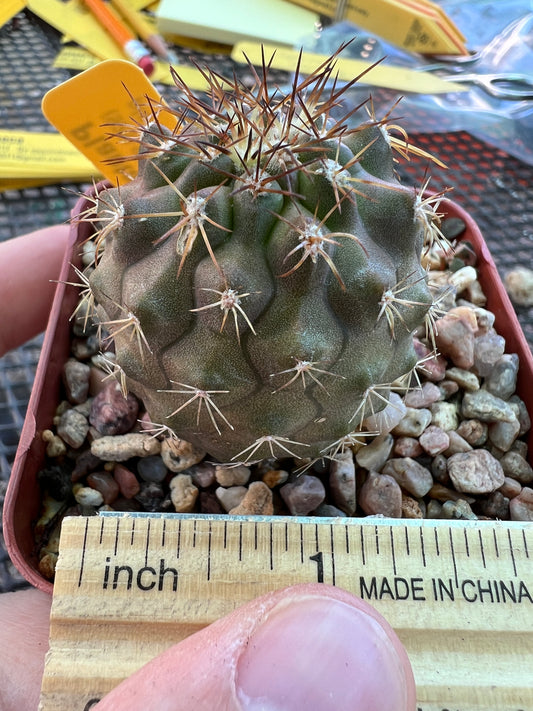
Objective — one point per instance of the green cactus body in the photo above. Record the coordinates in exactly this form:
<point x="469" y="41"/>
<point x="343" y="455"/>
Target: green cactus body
<point x="261" y="275"/>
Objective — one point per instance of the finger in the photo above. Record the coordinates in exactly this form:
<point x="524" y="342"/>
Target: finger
<point x="24" y="629"/>
<point x="306" y="647"/>
<point x="27" y="264"/>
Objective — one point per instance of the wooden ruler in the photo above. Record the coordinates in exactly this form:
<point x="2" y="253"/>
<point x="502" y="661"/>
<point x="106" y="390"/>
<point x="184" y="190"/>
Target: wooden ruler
<point x="458" y="594"/>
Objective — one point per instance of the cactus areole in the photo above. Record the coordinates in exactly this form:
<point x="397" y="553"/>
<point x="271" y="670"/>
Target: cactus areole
<point x="261" y="276"/>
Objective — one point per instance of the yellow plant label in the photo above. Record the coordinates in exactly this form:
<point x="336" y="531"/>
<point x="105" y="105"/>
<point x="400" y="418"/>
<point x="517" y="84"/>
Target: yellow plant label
<point x="93" y="107"/>
<point x="75" y="21"/>
<point x="30" y="155"/>
<point x="416" y="25"/>
<point x="79" y="59"/>
<point x="9" y="8"/>
<point x="74" y="57"/>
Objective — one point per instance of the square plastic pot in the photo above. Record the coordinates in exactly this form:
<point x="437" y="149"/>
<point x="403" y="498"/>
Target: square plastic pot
<point x="23" y="498"/>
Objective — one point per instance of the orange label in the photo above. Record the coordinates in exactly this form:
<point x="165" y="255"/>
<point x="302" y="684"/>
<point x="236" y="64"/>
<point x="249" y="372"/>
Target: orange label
<point x="98" y="103"/>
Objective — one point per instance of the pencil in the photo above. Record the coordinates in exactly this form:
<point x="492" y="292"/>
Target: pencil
<point x="130" y="45"/>
<point x="145" y="31"/>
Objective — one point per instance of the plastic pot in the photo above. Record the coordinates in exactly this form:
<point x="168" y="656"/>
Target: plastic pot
<point x="23" y="498"/>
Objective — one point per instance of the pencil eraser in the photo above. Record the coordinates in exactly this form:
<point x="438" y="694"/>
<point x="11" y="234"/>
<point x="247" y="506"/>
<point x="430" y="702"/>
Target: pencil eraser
<point x="147" y="65"/>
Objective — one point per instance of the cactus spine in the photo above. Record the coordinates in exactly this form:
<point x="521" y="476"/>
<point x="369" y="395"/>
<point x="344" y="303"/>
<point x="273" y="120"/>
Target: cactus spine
<point x="260" y="277"/>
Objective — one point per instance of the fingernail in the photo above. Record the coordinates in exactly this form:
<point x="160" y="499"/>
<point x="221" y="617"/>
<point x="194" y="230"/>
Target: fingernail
<point x="321" y="654"/>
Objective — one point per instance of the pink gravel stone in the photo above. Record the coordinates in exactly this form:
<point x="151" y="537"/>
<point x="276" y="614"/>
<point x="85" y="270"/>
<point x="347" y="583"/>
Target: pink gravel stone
<point x="303" y="495"/>
<point x="381" y="494"/>
<point x="424" y="396"/>
<point x="455" y="339"/>
<point x="111" y="412"/>
<point x="475" y="472"/>
<point x="342" y="482"/>
<point x="203" y="474"/>
<point x="434" y="440"/>
<point x="105" y="484"/>
<point x="433" y="368"/>
<point x="127" y="481"/>
<point x="510" y="487"/>
<point x="410" y="475"/>
<point x="521" y="507"/>
<point x="407" y="447"/>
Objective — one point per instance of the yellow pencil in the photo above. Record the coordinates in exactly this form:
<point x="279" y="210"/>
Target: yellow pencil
<point x="145" y="31"/>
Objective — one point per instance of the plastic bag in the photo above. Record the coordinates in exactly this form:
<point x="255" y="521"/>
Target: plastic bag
<point x="500" y="37"/>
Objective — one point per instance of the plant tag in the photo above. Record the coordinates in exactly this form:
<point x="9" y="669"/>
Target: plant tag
<point x="28" y="155"/>
<point x="9" y="9"/>
<point x="416" y="25"/>
<point x="92" y="107"/>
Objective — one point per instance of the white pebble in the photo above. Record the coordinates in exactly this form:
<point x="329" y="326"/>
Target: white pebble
<point x="462" y="278"/>
<point x="86" y="496"/>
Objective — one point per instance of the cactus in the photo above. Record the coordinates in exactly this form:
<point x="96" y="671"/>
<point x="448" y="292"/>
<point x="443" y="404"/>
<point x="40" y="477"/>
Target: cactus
<point x="261" y="276"/>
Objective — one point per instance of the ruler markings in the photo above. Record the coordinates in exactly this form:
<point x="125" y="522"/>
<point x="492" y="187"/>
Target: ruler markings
<point x="271" y="545"/>
<point x="332" y="543"/>
<point x="346" y="540"/>
<point x="147" y="546"/>
<point x="472" y="603"/>
<point x="511" y="550"/>
<point x="452" y="551"/>
<point x="255" y="535"/>
<point x="116" y="535"/>
<point x="132" y="538"/>
<point x="178" y="541"/>
<point x="393" y="554"/>
<point x="83" y="550"/>
<point x="422" y="548"/>
<point x="482" y="549"/>
<point x="467" y="546"/>
<point x="437" y="548"/>
<point x="209" y="551"/>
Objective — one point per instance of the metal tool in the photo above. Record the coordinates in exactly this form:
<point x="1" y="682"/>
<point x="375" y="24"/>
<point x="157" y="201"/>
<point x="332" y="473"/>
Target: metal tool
<point x="513" y="86"/>
<point x="493" y="53"/>
<point x="516" y="86"/>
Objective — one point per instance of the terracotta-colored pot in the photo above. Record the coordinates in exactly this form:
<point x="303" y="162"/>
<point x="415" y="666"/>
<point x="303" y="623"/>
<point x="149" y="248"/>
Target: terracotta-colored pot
<point x="23" y="498"/>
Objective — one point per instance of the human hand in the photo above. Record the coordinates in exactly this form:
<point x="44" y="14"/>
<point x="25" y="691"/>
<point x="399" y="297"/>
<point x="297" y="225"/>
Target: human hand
<point x="27" y="266"/>
<point x="312" y="646"/>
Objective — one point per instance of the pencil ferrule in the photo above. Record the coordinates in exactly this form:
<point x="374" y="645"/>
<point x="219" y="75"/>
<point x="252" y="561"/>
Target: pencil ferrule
<point x="136" y="50"/>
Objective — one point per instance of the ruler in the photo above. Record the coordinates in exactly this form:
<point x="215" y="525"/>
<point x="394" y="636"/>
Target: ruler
<point x="459" y="595"/>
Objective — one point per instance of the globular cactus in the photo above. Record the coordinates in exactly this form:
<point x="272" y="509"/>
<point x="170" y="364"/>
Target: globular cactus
<point x="261" y="276"/>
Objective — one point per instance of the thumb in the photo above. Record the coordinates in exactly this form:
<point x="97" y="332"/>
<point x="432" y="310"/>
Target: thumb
<point x="306" y="647"/>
